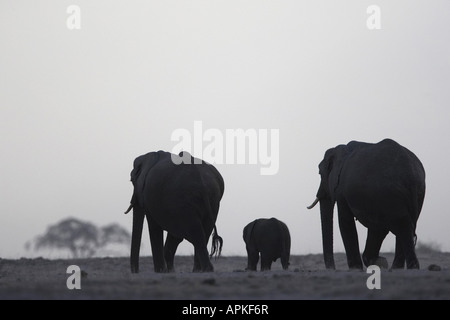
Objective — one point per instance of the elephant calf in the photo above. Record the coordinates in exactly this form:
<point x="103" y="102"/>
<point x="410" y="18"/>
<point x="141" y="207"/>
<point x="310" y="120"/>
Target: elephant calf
<point x="271" y="238"/>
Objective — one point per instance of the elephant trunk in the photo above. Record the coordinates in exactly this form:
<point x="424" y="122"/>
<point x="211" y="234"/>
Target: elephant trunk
<point x="136" y="236"/>
<point x="326" y="215"/>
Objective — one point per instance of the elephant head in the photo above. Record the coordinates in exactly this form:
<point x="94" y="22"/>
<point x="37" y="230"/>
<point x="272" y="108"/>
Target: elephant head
<point x="329" y="170"/>
<point x="141" y="167"/>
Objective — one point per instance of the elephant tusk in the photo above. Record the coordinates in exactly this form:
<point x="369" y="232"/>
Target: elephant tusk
<point x="129" y="208"/>
<point x="313" y="204"/>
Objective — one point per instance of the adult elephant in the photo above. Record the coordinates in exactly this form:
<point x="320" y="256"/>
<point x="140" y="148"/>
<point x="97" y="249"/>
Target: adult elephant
<point x="383" y="186"/>
<point x="271" y="239"/>
<point x="181" y="195"/>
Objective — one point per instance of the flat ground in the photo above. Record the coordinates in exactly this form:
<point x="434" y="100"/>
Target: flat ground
<point x="110" y="278"/>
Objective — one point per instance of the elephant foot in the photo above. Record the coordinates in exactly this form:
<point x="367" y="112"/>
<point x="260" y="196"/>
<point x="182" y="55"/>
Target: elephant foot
<point x="381" y="262"/>
<point x="398" y="264"/>
<point x="355" y="268"/>
<point x="355" y="265"/>
<point x="285" y="264"/>
<point x="161" y="270"/>
<point x="265" y="268"/>
<point x="378" y="261"/>
<point x="134" y="270"/>
<point x="413" y="264"/>
<point x="208" y="268"/>
<point x="200" y="271"/>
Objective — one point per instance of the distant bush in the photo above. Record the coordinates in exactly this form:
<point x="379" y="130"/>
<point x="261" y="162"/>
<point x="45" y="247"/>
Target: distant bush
<point x="81" y="239"/>
<point x="428" y="247"/>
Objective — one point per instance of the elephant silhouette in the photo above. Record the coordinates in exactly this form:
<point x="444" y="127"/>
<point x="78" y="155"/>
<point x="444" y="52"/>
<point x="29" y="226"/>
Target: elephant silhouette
<point x="382" y="185"/>
<point x="269" y="238"/>
<point x="180" y="197"/>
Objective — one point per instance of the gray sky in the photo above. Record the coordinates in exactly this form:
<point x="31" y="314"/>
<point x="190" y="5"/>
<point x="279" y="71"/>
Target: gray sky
<point x="77" y="106"/>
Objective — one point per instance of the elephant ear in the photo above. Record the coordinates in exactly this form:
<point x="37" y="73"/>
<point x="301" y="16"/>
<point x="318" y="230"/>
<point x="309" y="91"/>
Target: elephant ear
<point x="248" y="230"/>
<point x="334" y="161"/>
<point x="141" y="167"/>
<point x="137" y="167"/>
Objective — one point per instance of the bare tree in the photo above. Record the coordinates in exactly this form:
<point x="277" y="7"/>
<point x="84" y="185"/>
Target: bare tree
<point x="113" y="234"/>
<point x="80" y="238"/>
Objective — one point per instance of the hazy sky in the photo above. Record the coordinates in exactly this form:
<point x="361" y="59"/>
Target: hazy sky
<point x="78" y="106"/>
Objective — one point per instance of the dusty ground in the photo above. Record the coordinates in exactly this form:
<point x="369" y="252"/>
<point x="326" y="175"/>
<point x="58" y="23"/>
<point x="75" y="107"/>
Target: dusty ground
<point x="110" y="278"/>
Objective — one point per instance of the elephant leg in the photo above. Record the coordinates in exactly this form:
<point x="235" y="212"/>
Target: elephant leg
<point x="253" y="258"/>
<point x="201" y="259"/>
<point x="136" y="237"/>
<point x="403" y="230"/>
<point x="197" y="263"/>
<point x="170" y="248"/>
<point x="285" y="260"/>
<point x="196" y="235"/>
<point x="285" y="250"/>
<point x="371" y="253"/>
<point x="266" y="262"/>
<point x="156" y="239"/>
<point x="349" y="236"/>
<point x="399" y="258"/>
<point x="407" y="241"/>
<point x="197" y="266"/>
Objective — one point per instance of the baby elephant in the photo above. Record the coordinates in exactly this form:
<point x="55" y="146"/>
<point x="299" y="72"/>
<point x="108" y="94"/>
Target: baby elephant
<point x="271" y="238"/>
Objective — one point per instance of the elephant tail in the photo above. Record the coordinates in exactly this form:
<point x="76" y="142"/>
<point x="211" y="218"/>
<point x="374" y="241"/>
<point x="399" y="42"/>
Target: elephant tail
<point x="217" y="243"/>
